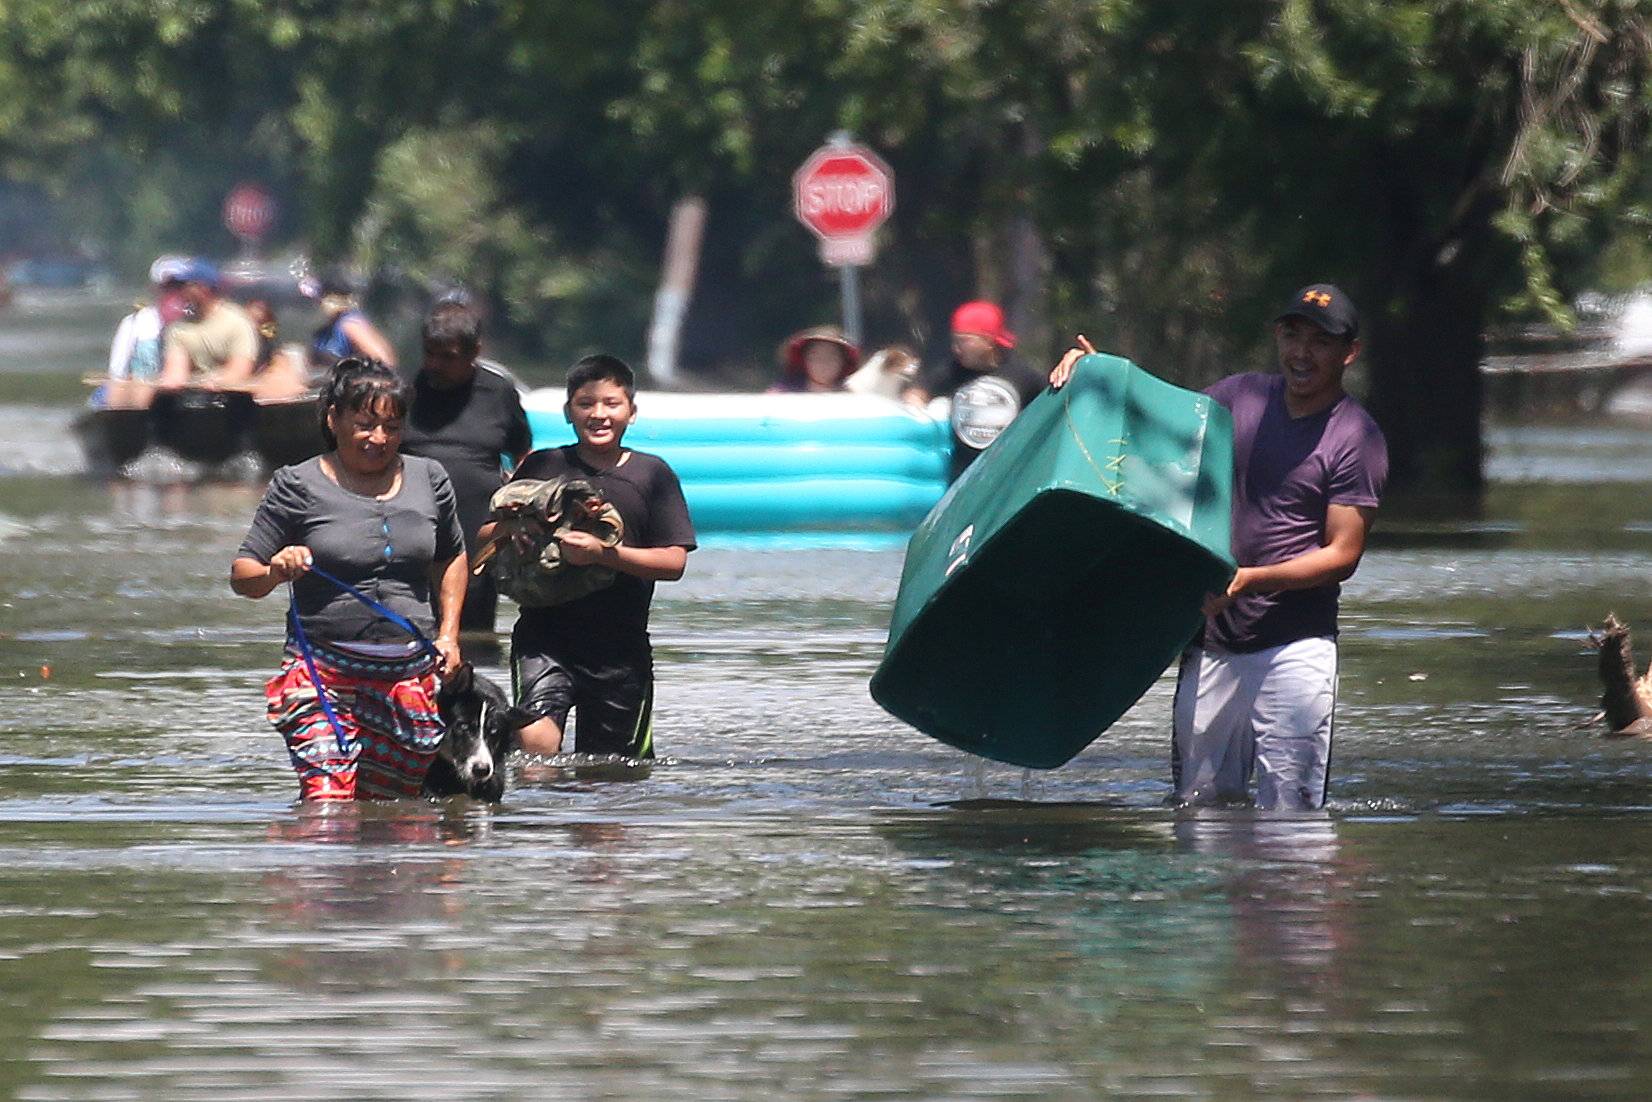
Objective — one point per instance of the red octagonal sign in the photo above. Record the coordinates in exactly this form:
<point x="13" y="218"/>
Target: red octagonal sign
<point x="843" y="191"/>
<point x="249" y="211"/>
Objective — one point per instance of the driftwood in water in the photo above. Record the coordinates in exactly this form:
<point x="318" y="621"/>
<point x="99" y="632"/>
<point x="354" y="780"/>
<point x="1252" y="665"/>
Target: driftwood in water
<point x="1626" y="703"/>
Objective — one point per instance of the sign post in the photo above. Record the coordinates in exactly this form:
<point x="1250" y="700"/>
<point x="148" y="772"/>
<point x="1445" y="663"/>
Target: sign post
<point x="843" y="193"/>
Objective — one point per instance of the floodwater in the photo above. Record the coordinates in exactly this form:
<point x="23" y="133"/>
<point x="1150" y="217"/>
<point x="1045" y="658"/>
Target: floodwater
<point x="803" y="898"/>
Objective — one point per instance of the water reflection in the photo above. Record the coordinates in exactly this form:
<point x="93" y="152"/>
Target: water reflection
<point x="380" y="863"/>
<point x="385" y="824"/>
<point x="347" y="915"/>
<point x="1245" y="916"/>
<point x="152" y="501"/>
<point x="1282" y="881"/>
<point x="1287" y="889"/>
<point x="1109" y="883"/>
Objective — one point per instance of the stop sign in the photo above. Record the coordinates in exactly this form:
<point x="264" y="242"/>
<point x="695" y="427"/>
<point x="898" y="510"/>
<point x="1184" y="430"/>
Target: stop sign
<point x="843" y="192"/>
<point x="248" y="211"/>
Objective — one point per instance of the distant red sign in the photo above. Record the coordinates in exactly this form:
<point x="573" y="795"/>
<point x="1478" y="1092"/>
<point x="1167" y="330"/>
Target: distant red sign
<point x="249" y="211"/>
<point x="843" y="192"/>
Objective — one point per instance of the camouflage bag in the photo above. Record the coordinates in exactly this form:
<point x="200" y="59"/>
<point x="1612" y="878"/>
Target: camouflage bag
<point x="525" y="555"/>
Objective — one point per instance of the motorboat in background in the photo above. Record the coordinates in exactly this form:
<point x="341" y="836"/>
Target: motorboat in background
<point x="202" y="426"/>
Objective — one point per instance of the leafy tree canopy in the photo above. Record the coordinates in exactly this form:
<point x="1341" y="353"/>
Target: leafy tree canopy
<point x="1156" y="174"/>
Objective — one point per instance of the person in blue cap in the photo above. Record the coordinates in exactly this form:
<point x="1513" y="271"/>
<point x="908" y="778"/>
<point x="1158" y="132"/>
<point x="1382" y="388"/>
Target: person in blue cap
<point x="216" y="344"/>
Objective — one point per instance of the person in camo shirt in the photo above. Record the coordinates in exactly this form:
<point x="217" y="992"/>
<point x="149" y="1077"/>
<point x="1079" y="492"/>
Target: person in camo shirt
<point x="1256" y="691"/>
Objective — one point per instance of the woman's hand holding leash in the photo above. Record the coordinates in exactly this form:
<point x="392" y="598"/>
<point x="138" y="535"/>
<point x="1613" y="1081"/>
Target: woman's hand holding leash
<point x="251" y="578"/>
<point x="1063" y="370"/>
<point x="290" y="562"/>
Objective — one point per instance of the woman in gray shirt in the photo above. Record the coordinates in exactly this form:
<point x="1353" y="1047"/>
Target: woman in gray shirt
<point x="388" y="525"/>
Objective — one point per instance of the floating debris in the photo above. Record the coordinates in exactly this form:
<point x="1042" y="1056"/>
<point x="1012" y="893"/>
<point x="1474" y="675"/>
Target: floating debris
<point x="1626" y="703"/>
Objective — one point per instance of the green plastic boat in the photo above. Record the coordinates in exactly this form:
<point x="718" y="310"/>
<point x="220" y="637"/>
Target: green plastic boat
<point x="1061" y="574"/>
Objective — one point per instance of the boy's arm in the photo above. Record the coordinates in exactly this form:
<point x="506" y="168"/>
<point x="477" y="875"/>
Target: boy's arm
<point x="369" y="340"/>
<point x="520" y="469"/>
<point x="241" y="364"/>
<point x="236" y="372"/>
<point x="654" y="564"/>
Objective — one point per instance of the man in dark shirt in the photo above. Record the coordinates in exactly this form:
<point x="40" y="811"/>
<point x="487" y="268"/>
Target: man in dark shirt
<point x="987" y="383"/>
<point x="981" y="345"/>
<point x="592" y="655"/>
<point x="468" y="417"/>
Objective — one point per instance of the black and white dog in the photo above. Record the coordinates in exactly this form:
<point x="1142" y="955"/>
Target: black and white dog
<point x="481" y="730"/>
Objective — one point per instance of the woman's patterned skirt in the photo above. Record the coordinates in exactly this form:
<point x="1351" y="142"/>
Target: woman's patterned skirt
<point x="386" y="708"/>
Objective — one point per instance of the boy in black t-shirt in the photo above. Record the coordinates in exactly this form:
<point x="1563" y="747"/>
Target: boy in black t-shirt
<point x="592" y="654"/>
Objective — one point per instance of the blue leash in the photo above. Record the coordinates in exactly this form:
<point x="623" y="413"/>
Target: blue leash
<point x="305" y="652"/>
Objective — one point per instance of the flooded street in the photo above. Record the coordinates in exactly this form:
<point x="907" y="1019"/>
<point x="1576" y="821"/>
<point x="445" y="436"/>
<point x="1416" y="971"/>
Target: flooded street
<point x="804" y="898"/>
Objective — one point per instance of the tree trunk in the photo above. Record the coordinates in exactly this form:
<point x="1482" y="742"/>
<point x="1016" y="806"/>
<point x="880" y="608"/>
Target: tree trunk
<point x="1026" y="298"/>
<point x="681" y="264"/>
<point x="1425" y="341"/>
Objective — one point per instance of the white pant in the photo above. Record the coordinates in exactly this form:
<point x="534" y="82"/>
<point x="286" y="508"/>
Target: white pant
<point x="1267" y="713"/>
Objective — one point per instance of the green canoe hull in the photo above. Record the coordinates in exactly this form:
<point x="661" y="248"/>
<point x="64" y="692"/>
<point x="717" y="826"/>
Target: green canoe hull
<point x="1064" y="570"/>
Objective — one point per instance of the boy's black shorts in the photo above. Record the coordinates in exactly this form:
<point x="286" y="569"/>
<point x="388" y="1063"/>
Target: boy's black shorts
<point x="615" y="700"/>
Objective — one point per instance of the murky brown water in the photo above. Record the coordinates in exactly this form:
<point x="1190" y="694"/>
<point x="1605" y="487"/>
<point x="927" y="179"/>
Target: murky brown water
<point x="805" y="899"/>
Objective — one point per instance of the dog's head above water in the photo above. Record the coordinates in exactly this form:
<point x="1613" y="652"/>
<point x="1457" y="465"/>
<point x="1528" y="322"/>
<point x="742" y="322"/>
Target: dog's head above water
<point x="481" y="729"/>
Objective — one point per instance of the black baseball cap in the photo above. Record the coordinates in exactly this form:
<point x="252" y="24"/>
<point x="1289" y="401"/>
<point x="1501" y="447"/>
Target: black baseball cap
<point x="1326" y="306"/>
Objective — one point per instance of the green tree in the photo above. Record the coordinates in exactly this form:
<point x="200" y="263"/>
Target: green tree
<point x="1441" y="160"/>
<point x="1156" y="174"/>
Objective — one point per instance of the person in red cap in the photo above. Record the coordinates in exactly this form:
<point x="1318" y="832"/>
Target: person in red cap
<point x="816" y="361"/>
<point x="1256" y="690"/>
<point x="981" y="345"/>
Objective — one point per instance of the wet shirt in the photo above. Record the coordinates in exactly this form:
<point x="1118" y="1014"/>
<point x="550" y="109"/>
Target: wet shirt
<point x="1287" y="472"/>
<point x="384" y="548"/>
<point x="612" y="623"/>
<point x="466" y="429"/>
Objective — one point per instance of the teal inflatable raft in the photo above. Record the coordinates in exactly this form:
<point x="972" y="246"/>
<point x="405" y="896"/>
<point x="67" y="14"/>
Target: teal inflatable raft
<point x="1064" y="570"/>
<point x="778" y="465"/>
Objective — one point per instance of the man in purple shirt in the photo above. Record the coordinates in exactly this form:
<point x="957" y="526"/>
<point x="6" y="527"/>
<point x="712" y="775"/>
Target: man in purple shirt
<point x="1256" y="692"/>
